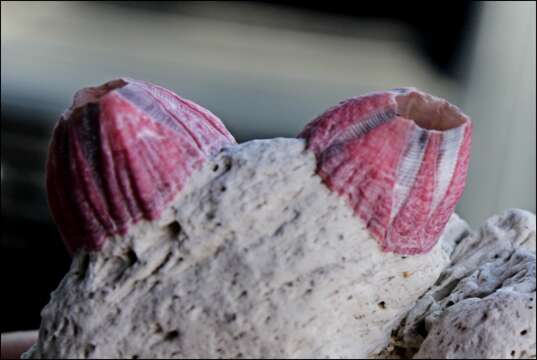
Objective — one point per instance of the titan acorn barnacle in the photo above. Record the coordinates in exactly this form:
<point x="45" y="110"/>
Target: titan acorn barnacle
<point x="120" y="153"/>
<point x="399" y="158"/>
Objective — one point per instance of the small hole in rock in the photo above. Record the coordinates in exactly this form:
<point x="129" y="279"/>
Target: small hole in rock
<point x="230" y="317"/>
<point x="174" y="228"/>
<point x="420" y="329"/>
<point x="513" y="353"/>
<point x="223" y="188"/>
<point x="215" y="168"/>
<point x="382" y="305"/>
<point x="450" y="303"/>
<point x="90" y="348"/>
<point x="171" y="335"/>
<point x="131" y="257"/>
<point x="523" y="332"/>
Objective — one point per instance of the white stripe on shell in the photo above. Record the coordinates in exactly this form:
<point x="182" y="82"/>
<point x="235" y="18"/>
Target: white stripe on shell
<point x="408" y="168"/>
<point x="449" y="154"/>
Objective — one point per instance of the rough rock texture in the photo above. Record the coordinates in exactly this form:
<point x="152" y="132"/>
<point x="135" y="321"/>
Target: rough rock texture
<point x="255" y="258"/>
<point x="483" y="304"/>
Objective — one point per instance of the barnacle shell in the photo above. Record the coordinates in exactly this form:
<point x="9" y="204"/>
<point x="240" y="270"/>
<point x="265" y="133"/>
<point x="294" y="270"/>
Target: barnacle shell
<point x="120" y="153"/>
<point x="399" y="158"/>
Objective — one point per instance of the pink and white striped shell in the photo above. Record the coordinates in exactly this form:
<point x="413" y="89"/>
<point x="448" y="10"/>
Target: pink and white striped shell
<point x="120" y="154"/>
<point x="399" y="158"/>
<point x="125" y="149"/>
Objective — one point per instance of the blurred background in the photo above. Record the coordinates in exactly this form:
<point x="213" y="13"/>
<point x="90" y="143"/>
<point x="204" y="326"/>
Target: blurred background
<point x="265" y="69"/>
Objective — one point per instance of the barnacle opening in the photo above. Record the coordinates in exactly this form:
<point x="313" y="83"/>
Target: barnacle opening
<point x="91" y="95"/>
<point x="94" y="94"/>
<point x="428" y="112"/>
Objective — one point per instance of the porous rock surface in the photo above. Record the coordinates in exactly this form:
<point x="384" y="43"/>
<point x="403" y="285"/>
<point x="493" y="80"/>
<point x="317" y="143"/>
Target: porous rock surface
<point x="254" y="258"/>
<point x="483" y="304"/>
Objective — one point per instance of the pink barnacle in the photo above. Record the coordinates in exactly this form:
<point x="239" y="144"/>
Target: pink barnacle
<point x="399" y="158"/>
<point x="120" y="154"/>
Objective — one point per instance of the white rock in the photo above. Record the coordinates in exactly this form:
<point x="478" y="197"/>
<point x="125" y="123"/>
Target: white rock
<point x="483" y="304"/>
<point x="256" y="258"/>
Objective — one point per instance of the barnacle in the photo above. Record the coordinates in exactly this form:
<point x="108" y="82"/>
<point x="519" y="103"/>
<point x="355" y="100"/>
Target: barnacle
<point x="399" y="158"/>
<point x="120" y="154"/>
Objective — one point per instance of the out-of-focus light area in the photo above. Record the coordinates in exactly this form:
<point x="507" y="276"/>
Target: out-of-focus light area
<point x="265" y="69"/>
